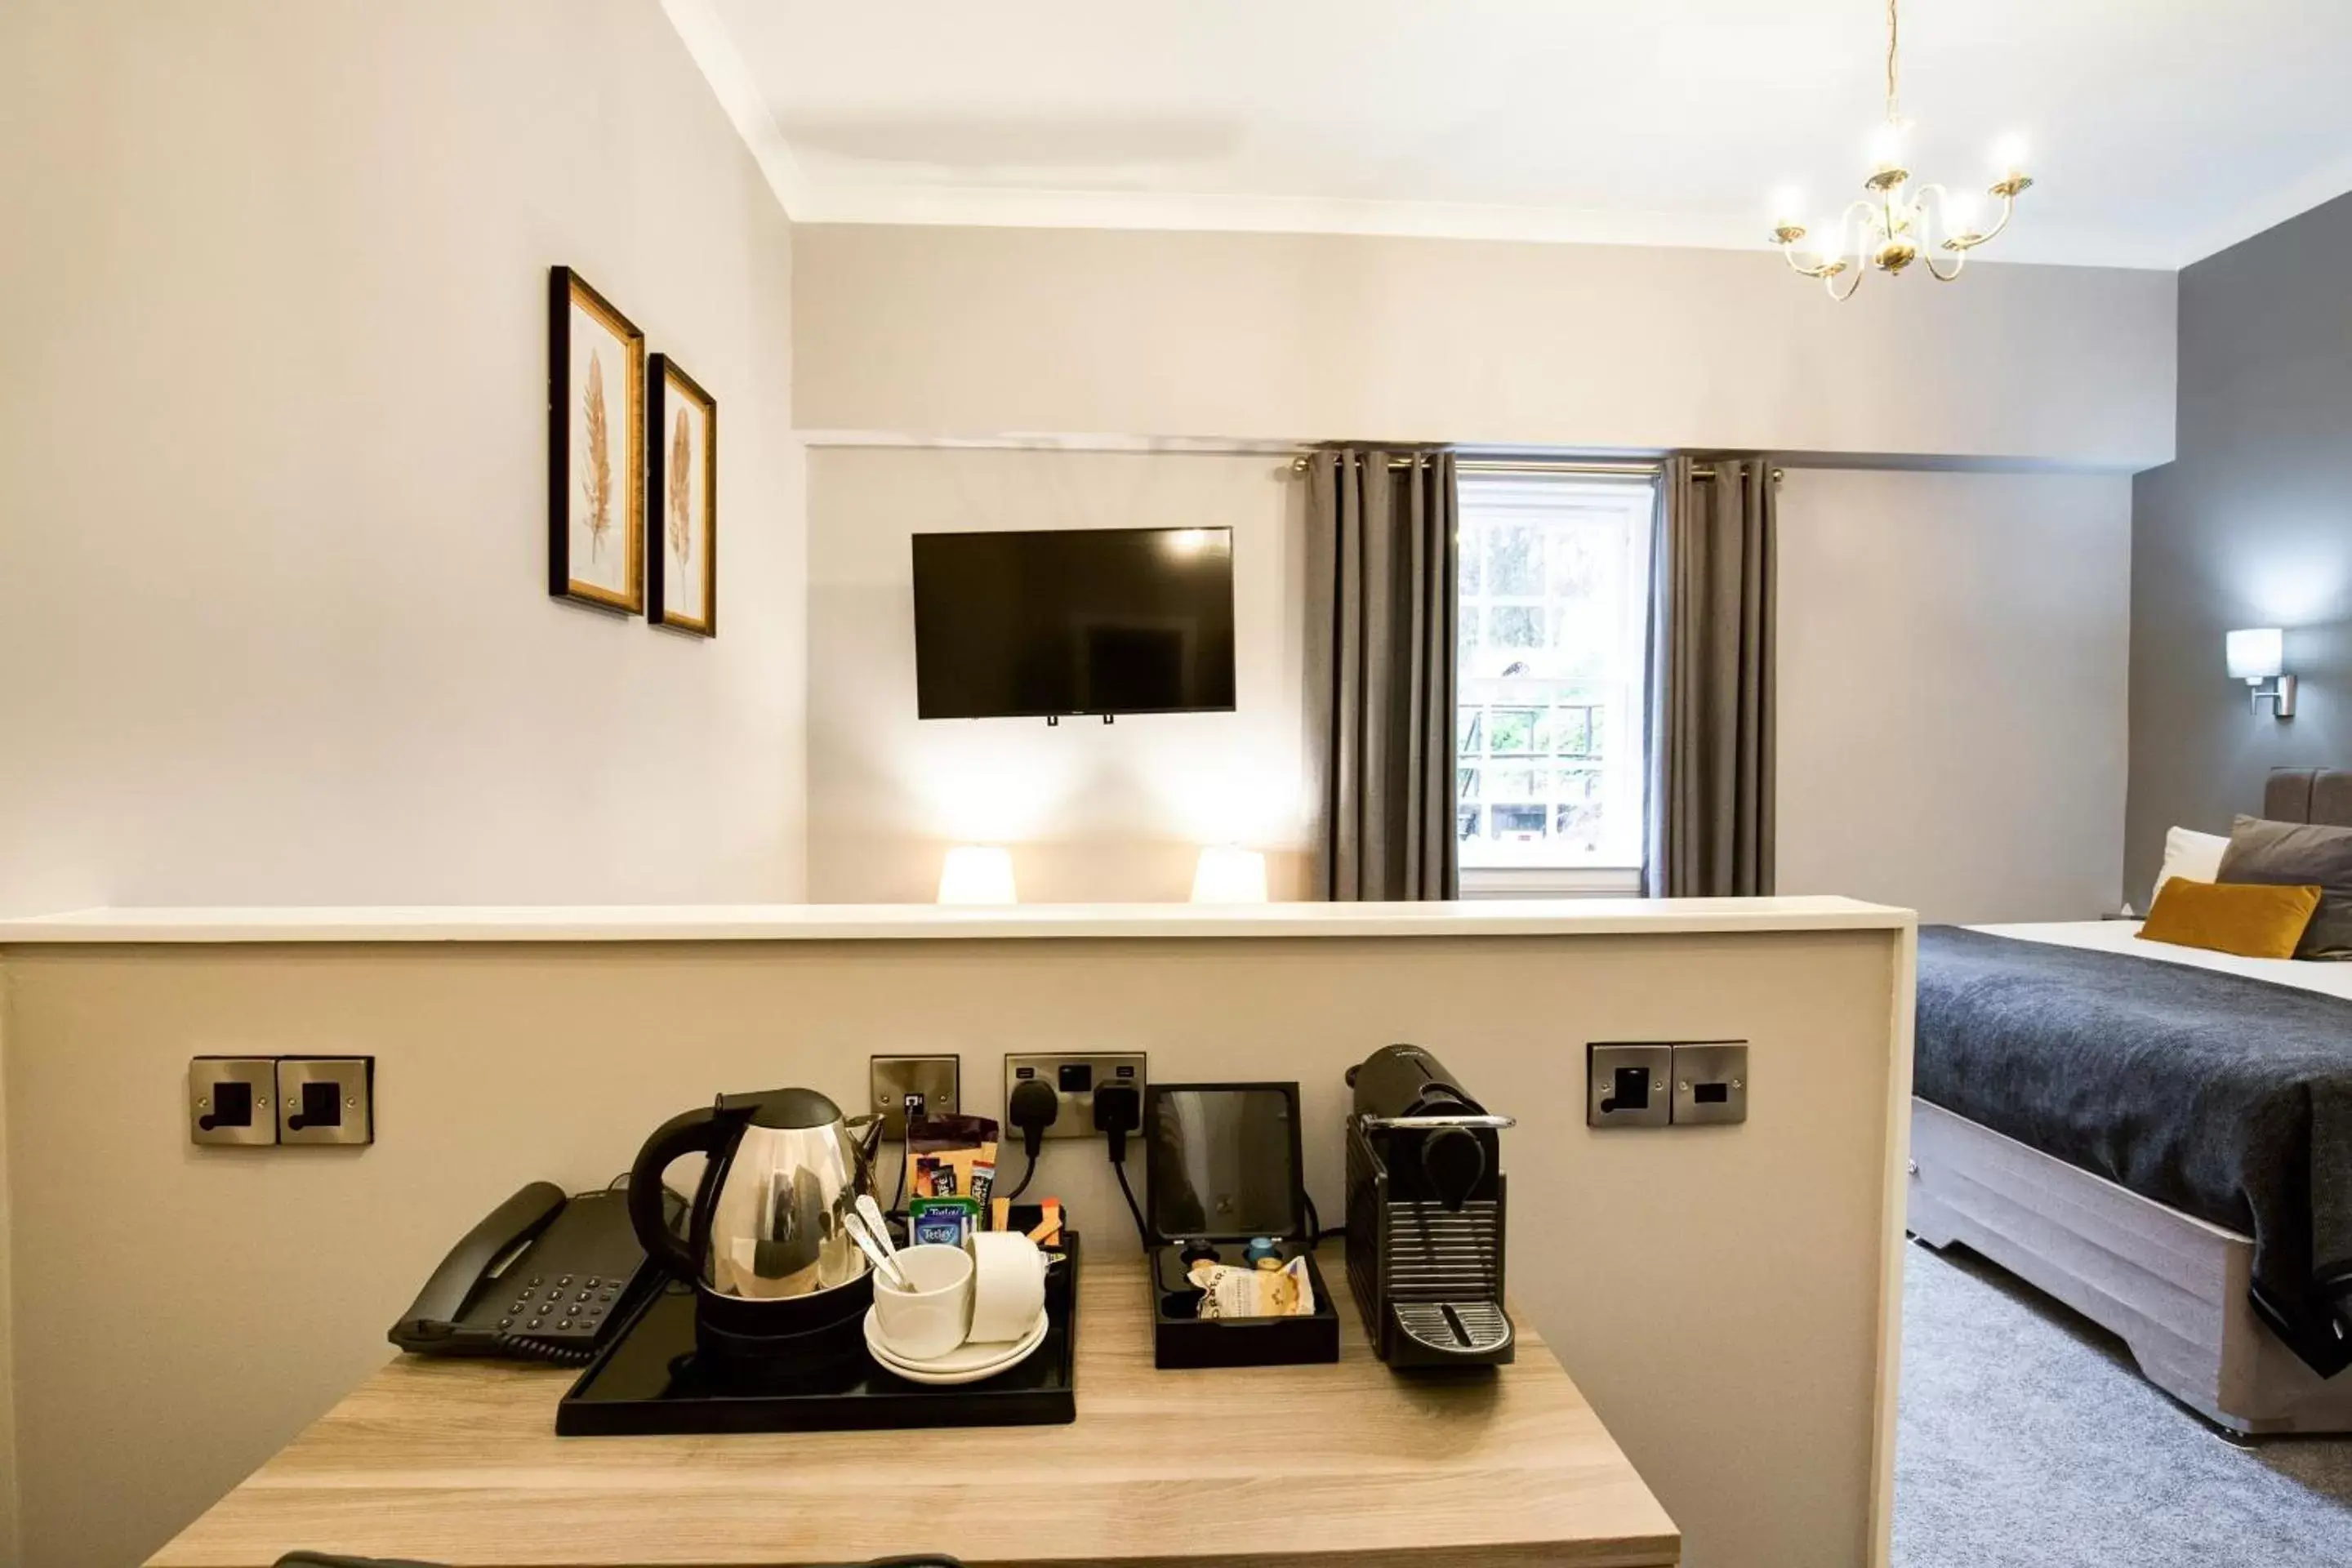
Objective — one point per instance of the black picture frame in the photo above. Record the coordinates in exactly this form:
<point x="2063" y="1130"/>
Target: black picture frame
<point x="568" y="293"/>
<point x="667" y="388"/>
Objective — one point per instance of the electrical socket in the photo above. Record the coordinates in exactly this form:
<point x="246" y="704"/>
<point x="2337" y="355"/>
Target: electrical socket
<point x="1072" y="1075"/>
<point x="935" y="1084"/>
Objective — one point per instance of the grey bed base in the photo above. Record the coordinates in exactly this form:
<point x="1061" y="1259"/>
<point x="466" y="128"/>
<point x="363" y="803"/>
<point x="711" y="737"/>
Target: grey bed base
<point x="2172" y="1286"/>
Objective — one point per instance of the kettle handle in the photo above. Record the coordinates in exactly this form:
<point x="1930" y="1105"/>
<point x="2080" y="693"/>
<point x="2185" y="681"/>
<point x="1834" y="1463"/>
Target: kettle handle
<point x="699" y="1131"/>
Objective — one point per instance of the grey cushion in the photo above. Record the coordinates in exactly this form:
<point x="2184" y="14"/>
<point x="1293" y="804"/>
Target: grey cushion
<point x="2299" y="854"/>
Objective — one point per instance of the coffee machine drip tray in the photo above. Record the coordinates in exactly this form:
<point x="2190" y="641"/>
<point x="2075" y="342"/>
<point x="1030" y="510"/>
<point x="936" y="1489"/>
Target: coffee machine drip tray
<point x="653" y="1378"/>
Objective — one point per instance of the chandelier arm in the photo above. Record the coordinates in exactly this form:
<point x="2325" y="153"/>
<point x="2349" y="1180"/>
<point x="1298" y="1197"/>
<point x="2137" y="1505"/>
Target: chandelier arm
<point x="1788" y="254"/>
<point x="1829" y="283"/>
<point x="1959" y="259"/>
<point x="2008" y="206"/>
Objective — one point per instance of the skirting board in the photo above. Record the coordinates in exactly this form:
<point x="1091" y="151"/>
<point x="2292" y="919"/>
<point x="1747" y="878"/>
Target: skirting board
<point x="2173" y="1287"/>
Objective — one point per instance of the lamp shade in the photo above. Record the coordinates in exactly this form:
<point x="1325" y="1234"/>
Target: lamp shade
<point x="1229" y="876"/>
<point x="977" y="874"/>
<point x="2256" y="654"/>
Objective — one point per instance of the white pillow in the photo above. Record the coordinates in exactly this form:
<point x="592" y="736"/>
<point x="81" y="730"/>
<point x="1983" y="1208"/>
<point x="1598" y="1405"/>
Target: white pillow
<point x="2190" y="854"/>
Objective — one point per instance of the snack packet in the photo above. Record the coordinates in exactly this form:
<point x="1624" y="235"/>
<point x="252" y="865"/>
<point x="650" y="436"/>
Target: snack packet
<point x="1230" y="1292"/>
<point x="950" y="1157"/>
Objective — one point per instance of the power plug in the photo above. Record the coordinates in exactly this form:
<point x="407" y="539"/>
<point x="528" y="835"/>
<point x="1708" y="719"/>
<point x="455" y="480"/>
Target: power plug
<point x="1118" y="1111"/>
<point x="1032" y="1107"/>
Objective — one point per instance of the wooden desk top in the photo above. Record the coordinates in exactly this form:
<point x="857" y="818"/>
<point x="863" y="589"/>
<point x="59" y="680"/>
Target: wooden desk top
<point x="1304" y="1466"/>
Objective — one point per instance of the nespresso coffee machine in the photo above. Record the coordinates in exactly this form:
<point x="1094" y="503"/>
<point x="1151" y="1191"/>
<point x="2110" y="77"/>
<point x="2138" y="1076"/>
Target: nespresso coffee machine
<point x="1425" y="1214"/>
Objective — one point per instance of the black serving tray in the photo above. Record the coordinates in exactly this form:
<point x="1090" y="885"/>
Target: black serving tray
<point x="651" y="1379"/>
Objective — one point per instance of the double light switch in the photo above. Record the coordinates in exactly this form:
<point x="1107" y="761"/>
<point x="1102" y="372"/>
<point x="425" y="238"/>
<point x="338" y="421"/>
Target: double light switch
<point x="1674" y="1084"/>
<point x="264" y="1100"/>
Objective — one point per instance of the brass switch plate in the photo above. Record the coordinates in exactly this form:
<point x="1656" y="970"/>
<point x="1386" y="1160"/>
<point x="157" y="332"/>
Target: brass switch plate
<point x="326" y="1100"/>
<point x="233" y="1102"/>
<point x="1710" y="1083"/>
<point x="936" y="1081"/>
<point x="1626" y="1085"/>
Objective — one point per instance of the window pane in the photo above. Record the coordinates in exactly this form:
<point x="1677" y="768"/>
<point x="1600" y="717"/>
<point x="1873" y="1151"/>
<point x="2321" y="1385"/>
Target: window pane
<point x="1515" y="560"/>
<point x="1470" y="559"/>
<point x="1515" y="626"/>
<point x="1465" y="822"/>
<point x="1465" y="783"/>
<point x="1469" y="730"/>
<point x="1517" y="821"/>
<point x="1567" y="732"/>
<point x="1512" y="783"/>
<point x="1514" y="731"/>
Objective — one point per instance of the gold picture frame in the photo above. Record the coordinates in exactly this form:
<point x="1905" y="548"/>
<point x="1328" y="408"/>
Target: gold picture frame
<point x="596" y="473"/>
<point x="681" y="501"/>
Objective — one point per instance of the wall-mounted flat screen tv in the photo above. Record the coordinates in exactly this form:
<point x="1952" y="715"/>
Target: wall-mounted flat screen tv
<point x="1049" y="623"/>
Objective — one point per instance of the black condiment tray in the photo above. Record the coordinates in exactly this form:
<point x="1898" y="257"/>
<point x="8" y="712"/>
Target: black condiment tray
<point x="651" y="1379"/>
<point x="1181" y="1200"/>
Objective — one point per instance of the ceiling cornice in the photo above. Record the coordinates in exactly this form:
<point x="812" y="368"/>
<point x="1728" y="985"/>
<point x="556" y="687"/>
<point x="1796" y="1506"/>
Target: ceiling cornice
<point x="713" y="51"/>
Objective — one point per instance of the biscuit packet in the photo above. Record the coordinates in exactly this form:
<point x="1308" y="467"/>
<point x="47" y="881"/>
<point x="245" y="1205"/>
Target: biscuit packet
<point x="1230" y="1292"/>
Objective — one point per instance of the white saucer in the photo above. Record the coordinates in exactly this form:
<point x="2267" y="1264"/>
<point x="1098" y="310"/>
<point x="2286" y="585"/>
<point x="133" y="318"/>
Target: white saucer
<point x="965" y="1364"/>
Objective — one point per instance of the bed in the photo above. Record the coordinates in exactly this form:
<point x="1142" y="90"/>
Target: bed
<point x="2159" y="1137"/>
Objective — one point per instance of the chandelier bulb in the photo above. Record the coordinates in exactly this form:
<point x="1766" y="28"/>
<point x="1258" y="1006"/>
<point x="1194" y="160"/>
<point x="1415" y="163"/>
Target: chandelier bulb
<point x="1898" y="223"/>
<point x="1886" y="146"/>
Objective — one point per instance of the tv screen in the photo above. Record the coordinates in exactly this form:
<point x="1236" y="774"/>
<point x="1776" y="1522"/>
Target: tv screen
<point x="1131" y="620"/>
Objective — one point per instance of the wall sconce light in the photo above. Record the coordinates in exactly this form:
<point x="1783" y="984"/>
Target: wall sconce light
<point x="2258" y="657"/>
<point x="977" y="874"/>
<point x="1229" y="876"/>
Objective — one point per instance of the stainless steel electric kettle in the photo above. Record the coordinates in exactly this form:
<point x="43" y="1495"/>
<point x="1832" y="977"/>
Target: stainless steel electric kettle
<point x="765" y="1246"/>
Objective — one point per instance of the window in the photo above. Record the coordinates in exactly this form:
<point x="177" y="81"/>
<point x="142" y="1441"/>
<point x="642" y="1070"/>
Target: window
<point x="1551" y="687"/>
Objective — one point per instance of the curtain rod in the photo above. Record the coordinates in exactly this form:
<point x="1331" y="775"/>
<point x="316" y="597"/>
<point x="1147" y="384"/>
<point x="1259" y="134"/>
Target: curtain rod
<point x="1527" y="466"/>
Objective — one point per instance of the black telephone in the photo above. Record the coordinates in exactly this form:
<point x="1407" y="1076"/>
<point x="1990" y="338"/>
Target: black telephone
<point x="542" y="1278"/>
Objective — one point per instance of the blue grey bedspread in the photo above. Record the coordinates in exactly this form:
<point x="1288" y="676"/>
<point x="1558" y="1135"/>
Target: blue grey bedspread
<point x="2226" y="1097"/>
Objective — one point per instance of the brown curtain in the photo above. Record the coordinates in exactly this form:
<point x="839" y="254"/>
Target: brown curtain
<point x="1380" y="671"/>
<point x="1711" y="682"/>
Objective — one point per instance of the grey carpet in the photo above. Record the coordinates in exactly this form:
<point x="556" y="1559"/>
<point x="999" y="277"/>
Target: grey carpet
<point x="2028" y="1439"/>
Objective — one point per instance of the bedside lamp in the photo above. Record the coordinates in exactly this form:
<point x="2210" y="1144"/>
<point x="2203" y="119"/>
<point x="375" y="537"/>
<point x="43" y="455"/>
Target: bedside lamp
<point x="1226" y="875"/>
<point x="977" y="874"/>
<point x="2257" y="656"/>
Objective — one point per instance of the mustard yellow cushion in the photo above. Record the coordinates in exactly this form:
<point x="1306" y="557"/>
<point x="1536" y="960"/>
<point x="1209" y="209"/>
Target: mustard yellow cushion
<point x="2252" y="919"/>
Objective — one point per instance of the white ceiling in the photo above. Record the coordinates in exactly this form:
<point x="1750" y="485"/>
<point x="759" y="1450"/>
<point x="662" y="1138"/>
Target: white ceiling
<point x="2161" y="130"/>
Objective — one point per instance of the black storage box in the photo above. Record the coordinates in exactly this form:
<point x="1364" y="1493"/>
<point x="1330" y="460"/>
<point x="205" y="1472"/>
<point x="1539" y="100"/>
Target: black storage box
<point x="1223" y="1167"/>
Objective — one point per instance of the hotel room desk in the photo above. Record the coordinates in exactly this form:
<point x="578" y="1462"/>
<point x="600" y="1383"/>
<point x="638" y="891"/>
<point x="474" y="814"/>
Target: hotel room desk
<point x="1307" y="1467"/>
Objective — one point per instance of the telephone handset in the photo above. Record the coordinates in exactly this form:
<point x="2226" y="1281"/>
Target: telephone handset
<point x="542" y="1277"/>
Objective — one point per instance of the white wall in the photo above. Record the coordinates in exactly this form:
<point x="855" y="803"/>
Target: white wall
<point x="1090" y="811"/>
<point x="1764" y="1245"/>
<point x="1288" y="337"/>
<point x="272" y="482"/>
<point x="1954" y="655"/>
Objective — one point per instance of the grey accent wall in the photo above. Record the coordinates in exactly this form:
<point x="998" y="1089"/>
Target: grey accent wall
<point x="2251" y="525"/>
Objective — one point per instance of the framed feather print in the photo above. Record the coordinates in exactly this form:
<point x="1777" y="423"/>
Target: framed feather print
<point x="595" y="448"/>
<point x="681" y="501"/>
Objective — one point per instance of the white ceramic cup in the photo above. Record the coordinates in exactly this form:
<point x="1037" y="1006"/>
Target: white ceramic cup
<point x="933" y="1318"/>
<point x="1008" y="1285"/>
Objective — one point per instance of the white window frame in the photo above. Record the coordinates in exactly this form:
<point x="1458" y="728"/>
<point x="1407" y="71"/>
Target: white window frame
<point x="1619" y="872"/>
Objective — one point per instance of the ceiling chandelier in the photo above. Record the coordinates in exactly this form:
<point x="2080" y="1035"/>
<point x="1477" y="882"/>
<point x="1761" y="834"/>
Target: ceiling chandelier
<point x="1897" y="222"/>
